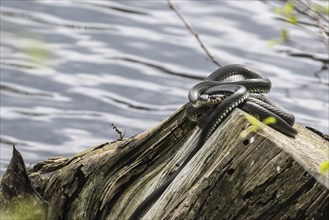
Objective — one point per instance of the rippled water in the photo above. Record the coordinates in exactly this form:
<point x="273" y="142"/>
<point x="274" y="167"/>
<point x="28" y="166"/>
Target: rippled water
<point x="70" y="69"/>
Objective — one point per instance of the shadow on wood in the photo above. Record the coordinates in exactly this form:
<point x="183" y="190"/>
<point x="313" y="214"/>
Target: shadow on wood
<point x="274" y="177"/>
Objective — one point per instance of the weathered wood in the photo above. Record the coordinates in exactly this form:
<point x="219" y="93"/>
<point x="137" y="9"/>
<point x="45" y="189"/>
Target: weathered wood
<point x="274" y="177"/>
<point x="258" y="181"/>
<point x="18" y="199"/>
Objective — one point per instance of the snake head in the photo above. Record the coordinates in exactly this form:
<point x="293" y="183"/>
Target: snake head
<point x="207" y="100"/>
<point x="201" y="101"/>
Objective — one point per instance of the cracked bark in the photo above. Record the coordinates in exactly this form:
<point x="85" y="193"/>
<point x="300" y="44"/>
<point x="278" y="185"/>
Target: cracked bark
<point x="274" y="177"/>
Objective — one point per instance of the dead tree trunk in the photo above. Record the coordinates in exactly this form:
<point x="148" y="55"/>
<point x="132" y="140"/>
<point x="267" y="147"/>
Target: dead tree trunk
<point x="274" y="177"/>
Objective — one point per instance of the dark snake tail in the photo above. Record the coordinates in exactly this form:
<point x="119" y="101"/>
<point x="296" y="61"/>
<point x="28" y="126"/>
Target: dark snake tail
<point x="280" y="111"/>
<point x="275" y="109"/>
<point x="262" y="113"/>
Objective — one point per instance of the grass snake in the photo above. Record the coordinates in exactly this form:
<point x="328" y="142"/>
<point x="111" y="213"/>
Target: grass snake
<point x="211" y="101"/>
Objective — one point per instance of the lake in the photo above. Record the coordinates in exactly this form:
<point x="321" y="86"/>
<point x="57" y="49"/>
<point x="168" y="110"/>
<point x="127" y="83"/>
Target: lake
<point x="71" y="69"/>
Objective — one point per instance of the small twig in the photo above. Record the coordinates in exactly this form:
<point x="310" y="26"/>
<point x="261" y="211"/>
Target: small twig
<point x="318" y="76"/>
<point x="321" y="27"/>
<point x="309" y="7"/>
<point x="317" y="17"/>
<point x="119" y="132"/>
<point x="196" y="35"/>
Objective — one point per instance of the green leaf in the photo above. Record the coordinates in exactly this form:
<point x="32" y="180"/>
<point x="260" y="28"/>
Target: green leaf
<point x="269" y="120"/>
<point x="288" y="8"/>
<point x="324" y="167"/>
<point x="278" y="10"/>
<point x="38" y="52"/>
<point x="292" y="19"/>
<point x="256" y="126"/>
<point x="273" y="42"/>
<point x="255" y="122"/>
<point x="284" y="35"/>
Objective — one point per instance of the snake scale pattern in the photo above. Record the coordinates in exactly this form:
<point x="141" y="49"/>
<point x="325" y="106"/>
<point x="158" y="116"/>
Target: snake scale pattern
<point x="211" y="101"/>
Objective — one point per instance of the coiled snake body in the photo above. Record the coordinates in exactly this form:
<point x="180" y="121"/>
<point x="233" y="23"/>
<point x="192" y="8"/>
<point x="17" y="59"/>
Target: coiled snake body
<point x="212" y="100"/>
<point x="209" y="109"/>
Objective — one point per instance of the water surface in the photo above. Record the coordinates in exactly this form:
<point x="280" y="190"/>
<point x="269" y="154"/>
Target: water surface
<point x="131" y="63"/>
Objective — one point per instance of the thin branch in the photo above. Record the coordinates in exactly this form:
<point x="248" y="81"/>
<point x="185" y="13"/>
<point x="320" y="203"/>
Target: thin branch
<point x="121" y="135"/>
<point x="196" y="35"/>
<point x="310" y="12"/>
<point x="317" y="74"/>
<point x="310" y="6"/>
<point x="322" y="30"/>
<point x="305" y="9"/>
<point x="321" y="27"/>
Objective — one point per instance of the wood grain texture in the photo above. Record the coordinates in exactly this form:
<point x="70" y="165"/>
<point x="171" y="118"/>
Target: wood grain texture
<point x="274" y="177"/>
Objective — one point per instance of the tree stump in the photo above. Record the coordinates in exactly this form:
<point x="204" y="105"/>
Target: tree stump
<point x="271" y="177"/>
